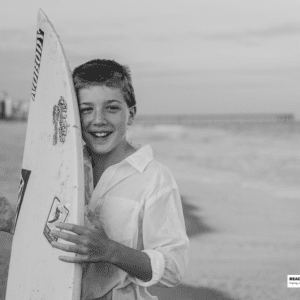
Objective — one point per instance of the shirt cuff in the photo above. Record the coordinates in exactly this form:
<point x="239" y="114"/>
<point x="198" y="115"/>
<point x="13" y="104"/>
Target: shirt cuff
<point x="158" y="268"/>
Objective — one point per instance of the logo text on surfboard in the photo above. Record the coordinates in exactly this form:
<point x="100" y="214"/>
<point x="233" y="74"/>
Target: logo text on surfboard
<point x="37" y="61"/>
<point x="60" y="121"/>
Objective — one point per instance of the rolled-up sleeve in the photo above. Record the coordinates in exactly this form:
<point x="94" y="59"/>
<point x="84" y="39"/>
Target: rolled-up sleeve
<point x="164" y="237"/>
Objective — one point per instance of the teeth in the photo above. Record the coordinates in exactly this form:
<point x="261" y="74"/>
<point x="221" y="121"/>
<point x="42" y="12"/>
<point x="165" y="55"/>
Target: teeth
<point x="102" y="134"/>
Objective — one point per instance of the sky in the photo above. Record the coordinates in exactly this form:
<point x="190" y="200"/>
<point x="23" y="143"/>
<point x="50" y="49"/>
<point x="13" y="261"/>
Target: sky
<point x="203" y="57"/>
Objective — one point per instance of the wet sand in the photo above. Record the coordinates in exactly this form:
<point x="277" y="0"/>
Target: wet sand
<point x="5" y="248"/>
<point x="244" y="243"/>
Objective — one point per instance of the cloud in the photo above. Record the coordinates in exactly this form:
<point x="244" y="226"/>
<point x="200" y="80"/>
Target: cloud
<point x="6" y="34"/>
<point x="16" y="72"/>
<point x="287" y="29"/>
<point x="12" y="39"/>
<point x="92" y="39"/>
<point x="246" y="36"/>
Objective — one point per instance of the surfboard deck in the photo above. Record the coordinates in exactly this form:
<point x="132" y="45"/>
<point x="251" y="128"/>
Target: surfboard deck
<point x="52" y="182"/>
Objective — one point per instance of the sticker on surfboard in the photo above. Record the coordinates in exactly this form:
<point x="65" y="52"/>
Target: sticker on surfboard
<point x="25" y="174"/>
<point x="59" y="120"/>
<point x="58" y="214"/>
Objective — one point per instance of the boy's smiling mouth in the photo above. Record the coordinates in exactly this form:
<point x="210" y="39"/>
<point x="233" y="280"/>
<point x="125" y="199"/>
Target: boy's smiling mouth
<point x="101" y="134"/>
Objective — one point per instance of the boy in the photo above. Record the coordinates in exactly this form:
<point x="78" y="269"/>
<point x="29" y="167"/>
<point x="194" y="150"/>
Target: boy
<point x="134" y="234"/>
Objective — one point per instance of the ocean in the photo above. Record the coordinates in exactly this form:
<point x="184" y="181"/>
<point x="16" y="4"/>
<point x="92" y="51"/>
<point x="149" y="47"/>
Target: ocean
<point x="259" y="155"/>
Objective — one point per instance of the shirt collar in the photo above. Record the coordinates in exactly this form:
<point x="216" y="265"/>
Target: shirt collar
<point x="141" y="158"/>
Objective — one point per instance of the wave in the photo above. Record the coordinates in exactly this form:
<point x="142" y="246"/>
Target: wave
<point x="260" y="159"/>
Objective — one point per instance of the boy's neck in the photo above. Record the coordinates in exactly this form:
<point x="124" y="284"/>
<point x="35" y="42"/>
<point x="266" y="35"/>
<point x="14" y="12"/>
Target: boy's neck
<point x="101" y="162"/>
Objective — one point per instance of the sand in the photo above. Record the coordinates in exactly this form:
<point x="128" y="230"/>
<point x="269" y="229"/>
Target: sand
<point x="244" y="243"/>
<point x="5" y="248"/>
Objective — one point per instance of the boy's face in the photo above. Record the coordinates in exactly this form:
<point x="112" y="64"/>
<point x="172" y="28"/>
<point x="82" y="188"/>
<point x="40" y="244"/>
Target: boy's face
<point x="104" y="118"/>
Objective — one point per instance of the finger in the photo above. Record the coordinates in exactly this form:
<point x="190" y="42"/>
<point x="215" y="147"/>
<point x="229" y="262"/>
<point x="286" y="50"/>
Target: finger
<point x="71" y="227"/>
<point x="79" y="249"/>
<point x="76" y="259"/>
<point x="66" y="236"/>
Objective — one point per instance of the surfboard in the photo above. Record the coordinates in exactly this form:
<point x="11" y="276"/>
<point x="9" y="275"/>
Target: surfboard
<point x="52" y="183"/>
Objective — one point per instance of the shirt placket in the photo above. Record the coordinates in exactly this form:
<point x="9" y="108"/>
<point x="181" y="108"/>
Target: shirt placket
<point x="101" y="187"/>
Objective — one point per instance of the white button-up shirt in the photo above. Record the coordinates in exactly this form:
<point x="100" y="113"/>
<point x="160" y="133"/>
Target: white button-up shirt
<point x="138" y="203"/>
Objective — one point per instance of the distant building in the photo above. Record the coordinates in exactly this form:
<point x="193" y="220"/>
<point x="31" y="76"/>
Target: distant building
<point x="21" y="109"/>
<point x="2" y="105"/>
<point x="6" y="106"/>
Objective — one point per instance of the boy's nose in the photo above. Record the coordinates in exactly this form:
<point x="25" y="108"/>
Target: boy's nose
<point x="99" y="117"/>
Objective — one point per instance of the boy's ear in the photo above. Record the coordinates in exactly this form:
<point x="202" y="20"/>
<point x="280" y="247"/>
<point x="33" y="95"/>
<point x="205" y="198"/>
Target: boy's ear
<point x="132" y="112"/>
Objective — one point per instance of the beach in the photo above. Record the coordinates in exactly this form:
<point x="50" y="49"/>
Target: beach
<point x="240" y="193"/>
<point x="244" y="243"/>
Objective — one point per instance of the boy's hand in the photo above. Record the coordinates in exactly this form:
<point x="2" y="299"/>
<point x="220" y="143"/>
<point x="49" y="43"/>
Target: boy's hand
<point x="93" y="245"/>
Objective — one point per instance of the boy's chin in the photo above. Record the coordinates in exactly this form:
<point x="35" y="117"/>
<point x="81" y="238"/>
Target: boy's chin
<point x="98" y="151"/>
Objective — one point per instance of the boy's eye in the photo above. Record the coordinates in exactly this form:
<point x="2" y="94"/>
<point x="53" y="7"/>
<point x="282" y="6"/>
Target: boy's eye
<point x="85" y="109"/>
<point x="113" y="107"/>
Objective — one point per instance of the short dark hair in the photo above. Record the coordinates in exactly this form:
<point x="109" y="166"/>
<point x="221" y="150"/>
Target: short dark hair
<point x="105" y="72"/>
